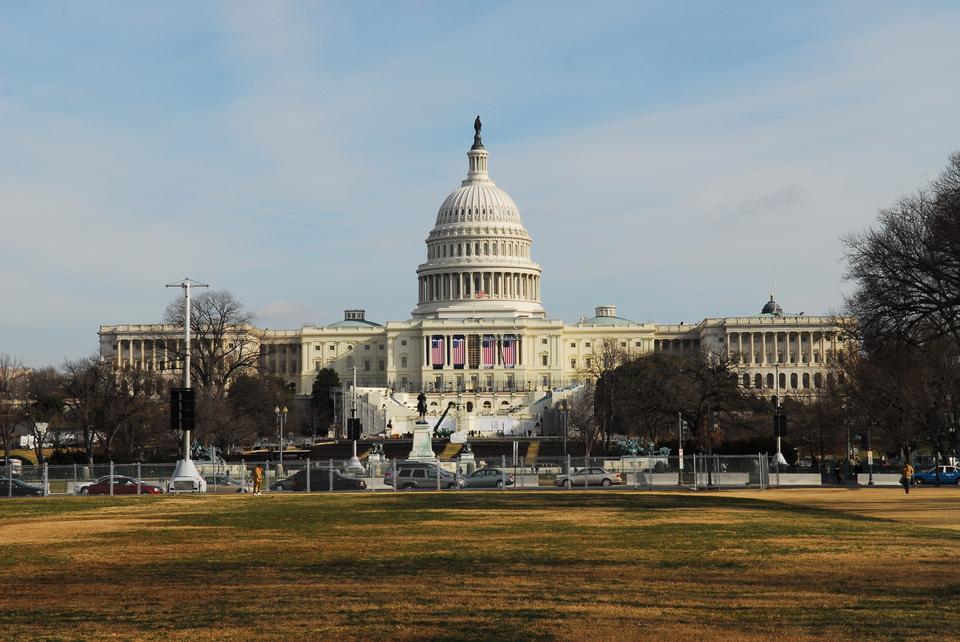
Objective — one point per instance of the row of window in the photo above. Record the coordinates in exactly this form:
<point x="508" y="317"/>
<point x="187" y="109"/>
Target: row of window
<point x="478" y="248"/>
<point x="796" y="381"/>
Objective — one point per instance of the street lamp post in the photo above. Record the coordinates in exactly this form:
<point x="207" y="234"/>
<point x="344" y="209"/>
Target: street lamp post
<point x="185" y="473"/>
<point x="869" y="457"/>
<point x="563" y="420"/>
<point x="281" y="414"/>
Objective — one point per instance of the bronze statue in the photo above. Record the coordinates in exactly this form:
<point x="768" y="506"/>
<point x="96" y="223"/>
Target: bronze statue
<point x="421" y="405"/>
<point x="477" y="125"/>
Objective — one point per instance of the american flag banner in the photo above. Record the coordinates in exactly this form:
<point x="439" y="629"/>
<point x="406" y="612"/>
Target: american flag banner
<point x="509" y="351"/>
<point x="487" y="351"/>
<point x="459" y="345"/>
<point x="437" y="356"/>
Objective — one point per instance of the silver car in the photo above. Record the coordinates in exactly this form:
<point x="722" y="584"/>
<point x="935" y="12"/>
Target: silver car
<point x="590" y="477"/>
<point x="425" y="478"/>
<point x="487" y="478"/>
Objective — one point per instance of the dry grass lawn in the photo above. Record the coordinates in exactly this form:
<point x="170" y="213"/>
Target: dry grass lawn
<point x="748" y="565"/>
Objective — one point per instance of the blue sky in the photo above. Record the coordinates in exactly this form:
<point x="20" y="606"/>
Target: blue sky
<point x="675" y="159"/>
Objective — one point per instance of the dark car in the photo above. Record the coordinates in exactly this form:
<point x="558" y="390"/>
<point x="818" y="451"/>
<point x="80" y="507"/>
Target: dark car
<point x="18" y="488"/>
<point x="431" y="470"/>
<point x="319" y="480"/>
<point x="424" y="478"/>
<point x="121" y="486"/>
<point x="487" y="478"/>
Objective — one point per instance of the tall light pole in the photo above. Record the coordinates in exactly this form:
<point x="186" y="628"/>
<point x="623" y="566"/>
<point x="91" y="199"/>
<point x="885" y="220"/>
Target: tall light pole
<point x="776" y="370"/>
<point x="281" y="414"/>
<point x="185" y="470"/>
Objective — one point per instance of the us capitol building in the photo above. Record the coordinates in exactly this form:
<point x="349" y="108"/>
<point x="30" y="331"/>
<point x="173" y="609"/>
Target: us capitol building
<point x="479" y="334"/>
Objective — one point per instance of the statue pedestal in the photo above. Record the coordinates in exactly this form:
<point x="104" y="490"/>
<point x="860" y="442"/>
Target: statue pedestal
<point x="422" y="443"/>
<point x="467" y="463"/>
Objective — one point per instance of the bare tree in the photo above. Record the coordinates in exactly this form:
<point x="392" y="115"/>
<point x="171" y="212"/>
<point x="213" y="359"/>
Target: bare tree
<point x="224" y="345"/>
<point x="45" y="406"/>
<point x="13" y="379"/>
<point x="582" y="419"/>
<point x="907" y="270"/>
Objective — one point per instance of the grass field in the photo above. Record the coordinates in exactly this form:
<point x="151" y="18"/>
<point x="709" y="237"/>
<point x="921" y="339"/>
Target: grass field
<point x="798" y="564"/>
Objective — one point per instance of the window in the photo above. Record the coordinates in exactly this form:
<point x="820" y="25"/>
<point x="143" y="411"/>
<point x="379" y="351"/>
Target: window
<point x="587" y="344"/>
<point x="403" y="361"/>
<point x="623" y="344"/>
<point x="806" y="380"/>
<point x="366" y="346"/>
<point x="746" y="381"/>
<point x="349" y="363"/>
<point x="366" y="365"/>
<point x="637" y="344"/>
<point x="403" y="342"/>
<point x="573" y="364"/>
<point x="318" y="347"/>
<point x="589" y="362"/>
<point x="332" y="347"/>
<point x="381" y="365"/>
<point x="573" y="344"/>
<point x="543" y="341"/>
<point x="350" y="347"/>
<point x="544" y="359"/>
<point x="758" y="381"/>
<point x="818" y="380"/>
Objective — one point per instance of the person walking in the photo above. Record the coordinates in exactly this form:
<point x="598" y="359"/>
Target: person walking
<point x="906" y="477"/>
<point x="257" y="480"/>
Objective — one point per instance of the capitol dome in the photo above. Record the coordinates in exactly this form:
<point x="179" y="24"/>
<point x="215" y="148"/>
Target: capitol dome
<point x="478" y="252"/>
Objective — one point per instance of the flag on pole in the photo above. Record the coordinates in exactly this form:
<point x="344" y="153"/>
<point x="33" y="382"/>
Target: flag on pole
<point x="459" y="345"/>
<point x="509" y="351"/>
<point x="437" y="356"/>
<point x="487" y="348"/>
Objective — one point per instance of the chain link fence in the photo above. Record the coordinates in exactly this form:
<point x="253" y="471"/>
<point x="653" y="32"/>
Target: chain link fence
<point x="469" y="471"/>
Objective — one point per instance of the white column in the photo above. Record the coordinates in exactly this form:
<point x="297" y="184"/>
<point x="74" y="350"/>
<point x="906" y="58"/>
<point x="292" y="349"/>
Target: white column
<point x="753" y="351"/>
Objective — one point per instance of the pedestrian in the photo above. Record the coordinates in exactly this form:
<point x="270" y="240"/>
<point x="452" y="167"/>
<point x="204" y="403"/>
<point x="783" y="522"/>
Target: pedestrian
<point x="906" y="477"/>
<point x="257" y="480"/>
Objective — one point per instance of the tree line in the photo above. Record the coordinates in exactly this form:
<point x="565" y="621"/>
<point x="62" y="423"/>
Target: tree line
<point x="900" y="386"/>
<point x="123" y="414"/>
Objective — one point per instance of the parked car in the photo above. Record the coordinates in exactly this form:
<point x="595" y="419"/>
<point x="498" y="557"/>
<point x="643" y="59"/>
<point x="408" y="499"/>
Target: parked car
<point x="224" y="481"/>
<point x="423" y="478"/>
<point x="487" y="478"/>
<point x="948" y="475"/>
<point x="590" y="477"/>
<point x="121" y="486"/>
<point x="319" y="480"/>
<point x="447" y="480"/>
<point x="18" y="488"/>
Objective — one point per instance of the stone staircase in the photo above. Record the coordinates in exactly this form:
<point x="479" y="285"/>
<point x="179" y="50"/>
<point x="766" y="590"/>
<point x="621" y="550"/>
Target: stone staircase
<point x="450" y="451"/>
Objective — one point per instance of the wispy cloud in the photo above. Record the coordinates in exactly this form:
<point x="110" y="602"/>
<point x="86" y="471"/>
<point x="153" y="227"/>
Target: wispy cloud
<point x="663" y="159"/>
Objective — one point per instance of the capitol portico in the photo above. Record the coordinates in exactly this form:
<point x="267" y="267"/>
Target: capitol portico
<point x="479" y="333"/>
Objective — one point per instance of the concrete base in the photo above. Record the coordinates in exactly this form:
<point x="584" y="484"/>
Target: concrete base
<point x="795" y="479"/>
<point x="422" y="443"/>
<point x="186" y="479"/>
<point x="879" y="479"/>
<point x="651" y="479"/>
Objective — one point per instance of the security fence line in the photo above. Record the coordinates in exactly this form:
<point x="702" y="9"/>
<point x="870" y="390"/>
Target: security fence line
<point x="502" y="472"/>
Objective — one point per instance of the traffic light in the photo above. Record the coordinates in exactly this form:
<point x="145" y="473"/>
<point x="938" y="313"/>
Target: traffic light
<point x="182" y="408"/>
<point x="354" y="427"/>
<point x="780" y="425"/>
